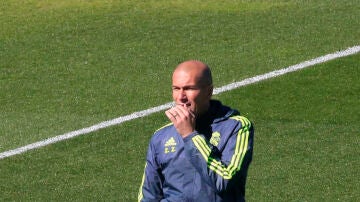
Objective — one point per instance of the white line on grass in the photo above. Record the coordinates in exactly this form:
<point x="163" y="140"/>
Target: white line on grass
<point x="143" y="113"/>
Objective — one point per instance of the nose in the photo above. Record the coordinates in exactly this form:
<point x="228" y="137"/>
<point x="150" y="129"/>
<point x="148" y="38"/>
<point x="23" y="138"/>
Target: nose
<point x="182" y="96"/>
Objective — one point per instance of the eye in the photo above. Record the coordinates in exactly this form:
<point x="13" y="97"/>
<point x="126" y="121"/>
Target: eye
<point x="191" y="88"/>
<point x="174" y="88"/>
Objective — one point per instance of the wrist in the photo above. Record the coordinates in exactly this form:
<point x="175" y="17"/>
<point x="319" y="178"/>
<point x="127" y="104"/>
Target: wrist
<point x="189" y="136"/>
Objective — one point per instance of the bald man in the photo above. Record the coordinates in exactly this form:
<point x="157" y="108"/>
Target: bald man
<point x="205" y="152"/>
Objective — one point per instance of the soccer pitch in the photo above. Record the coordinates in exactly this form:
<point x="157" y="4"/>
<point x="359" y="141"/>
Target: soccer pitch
<point x="66" y="65"/>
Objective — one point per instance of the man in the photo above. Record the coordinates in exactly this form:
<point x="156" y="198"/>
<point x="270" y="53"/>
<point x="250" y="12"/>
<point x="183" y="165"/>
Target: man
<point x="204" y="153"/>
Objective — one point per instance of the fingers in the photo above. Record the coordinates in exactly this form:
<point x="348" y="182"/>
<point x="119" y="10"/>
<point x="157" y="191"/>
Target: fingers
<point x="174" y="114"/>
<point x="170" y="115"/>
<point x="179" y="112"/>
<point x="182" y="112"/>
<point x="183" y="119"/>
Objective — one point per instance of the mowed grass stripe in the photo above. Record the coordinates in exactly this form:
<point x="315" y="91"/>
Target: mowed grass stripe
<point x="143" y="113"/>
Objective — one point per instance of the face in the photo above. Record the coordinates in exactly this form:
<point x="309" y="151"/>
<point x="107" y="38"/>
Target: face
<point x="187" y="90"/>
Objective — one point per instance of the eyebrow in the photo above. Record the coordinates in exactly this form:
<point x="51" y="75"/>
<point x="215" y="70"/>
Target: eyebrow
<point x="187" y="86"/>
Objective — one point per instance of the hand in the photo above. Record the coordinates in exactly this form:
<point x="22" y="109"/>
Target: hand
<point x="183" y="119"/>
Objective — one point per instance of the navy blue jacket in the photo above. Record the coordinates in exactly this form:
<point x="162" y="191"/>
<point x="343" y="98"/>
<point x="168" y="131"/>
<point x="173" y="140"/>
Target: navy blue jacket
<point x="209" y="165"/>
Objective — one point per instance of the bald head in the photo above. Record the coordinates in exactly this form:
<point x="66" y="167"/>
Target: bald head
<point x="198" y="69"/>
<point x="192" y="86"/>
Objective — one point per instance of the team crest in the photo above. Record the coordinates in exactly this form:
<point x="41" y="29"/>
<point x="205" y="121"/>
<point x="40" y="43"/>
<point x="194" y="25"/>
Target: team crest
<point x="215" y="138"/>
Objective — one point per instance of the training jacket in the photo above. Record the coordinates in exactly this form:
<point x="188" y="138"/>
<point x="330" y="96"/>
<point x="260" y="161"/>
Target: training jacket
<point x="208" y="165"/>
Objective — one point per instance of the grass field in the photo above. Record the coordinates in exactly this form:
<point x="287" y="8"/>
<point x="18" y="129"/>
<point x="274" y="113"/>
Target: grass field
<point x="65" y="65"/>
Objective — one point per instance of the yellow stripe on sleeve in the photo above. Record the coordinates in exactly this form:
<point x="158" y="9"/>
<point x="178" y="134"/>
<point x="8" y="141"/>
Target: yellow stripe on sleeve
<point x="239" y="153"/>
<point x="140" y="196"/>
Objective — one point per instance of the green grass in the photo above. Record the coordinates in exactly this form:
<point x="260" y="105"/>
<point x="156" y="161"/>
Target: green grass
<point x="66" y="65"/>
<point x="306" y="142"/>
<point x="72" y="64"/>
<point x="307" y="135"/>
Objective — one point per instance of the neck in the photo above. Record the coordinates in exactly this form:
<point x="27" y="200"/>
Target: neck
<point x="203" y="111"/>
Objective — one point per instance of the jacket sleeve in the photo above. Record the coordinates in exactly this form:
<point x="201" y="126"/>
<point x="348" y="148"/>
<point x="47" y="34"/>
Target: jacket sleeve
<point x="151" y="185"/>
<point x="229" y="166"/>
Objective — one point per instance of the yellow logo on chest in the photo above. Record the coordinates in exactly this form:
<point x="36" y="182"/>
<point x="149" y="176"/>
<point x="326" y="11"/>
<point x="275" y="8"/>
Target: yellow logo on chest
<point x="215" y="138"/>
<point x="170" y="145"/>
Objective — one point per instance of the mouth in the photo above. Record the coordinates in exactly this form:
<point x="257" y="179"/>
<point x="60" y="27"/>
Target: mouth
<point x="188" y="104"/>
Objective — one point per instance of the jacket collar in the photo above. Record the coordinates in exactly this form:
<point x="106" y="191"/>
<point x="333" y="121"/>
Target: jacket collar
<point x="217" y="112"/>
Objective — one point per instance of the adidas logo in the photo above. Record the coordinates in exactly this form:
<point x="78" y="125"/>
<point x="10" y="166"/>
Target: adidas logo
<point x="170" y="142"/>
